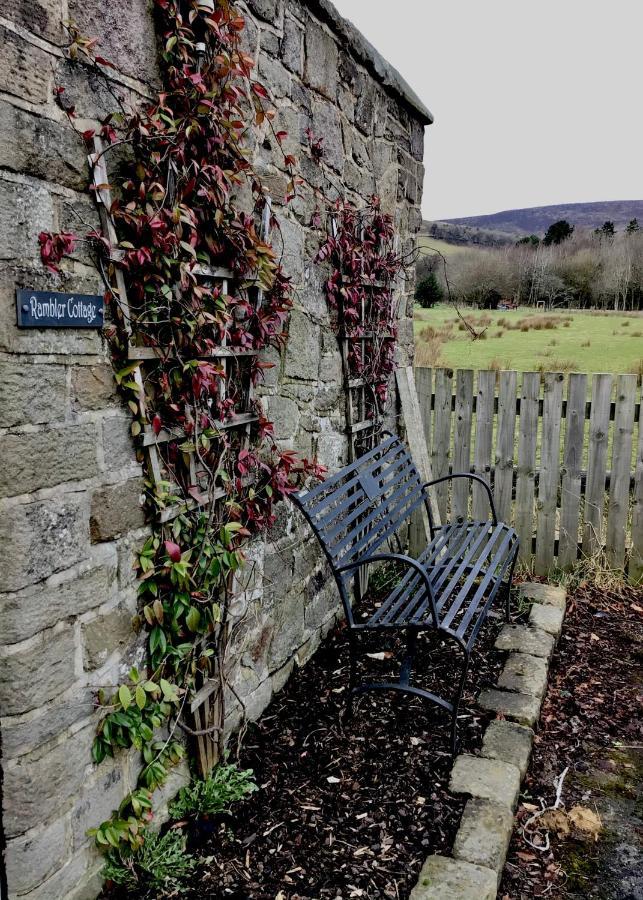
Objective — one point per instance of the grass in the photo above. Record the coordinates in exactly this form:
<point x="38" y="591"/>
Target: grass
<point x="428" y="242"/>
<point x="530" y="340"/>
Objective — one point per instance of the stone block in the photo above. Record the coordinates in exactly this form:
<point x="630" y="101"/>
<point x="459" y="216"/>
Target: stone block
<point x="291" y="234"/>
<point x="100" y="795"/>
<point x="549" y="618"/>
<point x="42" y="538"/>
<point x="33" y="858"/>
<point x="43" y="18"/>
<point x="284" y="414"/>
<point x="118" y="445"/>
<point x="42" y="786"/>
<point x="508" y="742"/>
<point x="36" y="673"/>
<point x="23" y="734"/>
<point x="103" y="635"/>
<point x="71" y="593"/>
<point x="292" y="46"/>
<point x="93" y="387"/>
<point x="484" y="834"/>
<point x="524" y="674"/>
<point x="116" y="509"/>
<point x="487" y="779"/>
<point x="79" y="879"/>
<point x="25" y="211"/>
<point x="38" y="146"/>
<point x="543" y="593"/>
<point x="442" y="878"/>
<point x="25" y="70"/>
<point x="302" y="350"/>
<point x="125" y="30"/>
<point x="269" y="10"/>
<point x="288" y="627"/>
<point x="92" y="96"/>
<point x="274" y="75"/>
<point x="327" y="124"/>
<point x="321" y="60"/>
<point x="522" y="708"/>
<point x="31" y="394"/>
<point x="524" y="639"/>
<point x="42" y="459"/>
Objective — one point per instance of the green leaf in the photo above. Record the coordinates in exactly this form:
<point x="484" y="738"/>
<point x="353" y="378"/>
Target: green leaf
<point x="141" y="699"/>
<point x="125" y="696"/>
<point x="193" y="619"/>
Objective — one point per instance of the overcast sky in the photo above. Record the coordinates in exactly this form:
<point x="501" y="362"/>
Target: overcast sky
<point x="534" y="102"/>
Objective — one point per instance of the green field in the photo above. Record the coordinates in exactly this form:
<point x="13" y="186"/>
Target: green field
<point x="528" y="340"/>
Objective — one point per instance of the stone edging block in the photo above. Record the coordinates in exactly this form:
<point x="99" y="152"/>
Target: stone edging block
<point x="493" y="778"/>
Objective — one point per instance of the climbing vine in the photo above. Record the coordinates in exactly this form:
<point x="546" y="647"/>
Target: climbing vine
<point x="177" y="217"/>
<point x="361" y="293"/>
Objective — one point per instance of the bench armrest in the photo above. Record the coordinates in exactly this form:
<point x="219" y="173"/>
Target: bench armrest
<point x="472" y="477"/>
<point x="406" y="560"/>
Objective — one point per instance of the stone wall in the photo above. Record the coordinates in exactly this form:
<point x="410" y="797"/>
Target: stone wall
<point x="70" y="514"/>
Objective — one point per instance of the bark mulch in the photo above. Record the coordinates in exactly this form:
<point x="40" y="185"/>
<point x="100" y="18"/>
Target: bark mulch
<point x="591" y="723"/>
<point x="346" y="810"/>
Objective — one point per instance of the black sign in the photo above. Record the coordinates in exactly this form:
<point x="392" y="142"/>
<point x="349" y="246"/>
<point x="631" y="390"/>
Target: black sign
<point x="51" y="309"/>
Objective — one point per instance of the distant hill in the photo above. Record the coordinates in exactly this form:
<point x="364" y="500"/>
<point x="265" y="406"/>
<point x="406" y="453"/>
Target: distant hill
<point x="466" y="235"/>
<point x="537" y="219"/>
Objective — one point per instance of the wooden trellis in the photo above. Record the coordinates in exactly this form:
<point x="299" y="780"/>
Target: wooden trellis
<point x="205" y="707"/>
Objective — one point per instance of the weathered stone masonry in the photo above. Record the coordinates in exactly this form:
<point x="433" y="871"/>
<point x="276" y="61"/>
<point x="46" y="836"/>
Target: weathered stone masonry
<point x="70" y="514"/>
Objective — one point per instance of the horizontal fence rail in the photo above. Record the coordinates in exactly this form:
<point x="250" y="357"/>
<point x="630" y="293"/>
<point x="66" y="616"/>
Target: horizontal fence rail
<point x="564" y="456"/>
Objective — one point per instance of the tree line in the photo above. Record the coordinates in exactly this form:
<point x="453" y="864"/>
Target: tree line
<point x="600" y="269"/>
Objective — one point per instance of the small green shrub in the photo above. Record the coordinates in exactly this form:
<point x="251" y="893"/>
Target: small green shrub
<point x="216" y="794"/>
<point x="159" y="868"/>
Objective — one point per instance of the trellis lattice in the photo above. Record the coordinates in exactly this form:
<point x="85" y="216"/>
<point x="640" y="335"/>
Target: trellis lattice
<point x="192" y="487"/>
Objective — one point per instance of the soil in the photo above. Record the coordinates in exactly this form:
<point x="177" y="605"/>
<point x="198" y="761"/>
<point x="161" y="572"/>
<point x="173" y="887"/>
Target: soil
<point x="591" y="724"/>
<point x="347" y="809"/>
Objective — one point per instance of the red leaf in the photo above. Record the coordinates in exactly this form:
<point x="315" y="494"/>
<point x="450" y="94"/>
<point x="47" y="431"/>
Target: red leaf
<point x="173" y="551"/>
<point x="156" y="424"/>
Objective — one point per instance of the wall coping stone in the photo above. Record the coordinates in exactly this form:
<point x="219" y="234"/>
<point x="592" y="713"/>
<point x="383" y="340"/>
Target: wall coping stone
<point x="382" y="71"/>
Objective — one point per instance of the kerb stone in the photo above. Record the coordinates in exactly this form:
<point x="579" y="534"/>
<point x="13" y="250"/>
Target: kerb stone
<point x="524" y="674"/>
<point x="484" y="834"/>
<point x="525" y="639"/>
<point x="543" y="593"/>
<point x="442" y="878"/>
<point x="549" y="618"/>
<point x="508" y="742"/>
<point x="488" y="779"/>
<point x="523" y="708"/>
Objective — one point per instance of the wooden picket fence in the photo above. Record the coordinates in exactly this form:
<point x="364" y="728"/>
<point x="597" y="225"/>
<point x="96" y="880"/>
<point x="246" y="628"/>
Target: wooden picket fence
<point x="564" y="456"/>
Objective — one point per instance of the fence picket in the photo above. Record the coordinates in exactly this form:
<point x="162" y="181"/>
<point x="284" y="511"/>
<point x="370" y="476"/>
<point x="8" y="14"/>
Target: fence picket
<point x="462" y="438"/>
<point x="635" y="570"/>
<point x="484" y="438"/>
<point x="597" y="463"/>
<point x="549" y="473"/>
<point x="528" y="433"/>
<point x="619" y="496"/>
<point x="572" y="465"/>
<point x="423" y="379"/>
<point x="503" y="478"/>
<point x="442" y="436"/>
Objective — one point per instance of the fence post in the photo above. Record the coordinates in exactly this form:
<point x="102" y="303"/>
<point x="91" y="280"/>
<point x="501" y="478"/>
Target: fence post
<point x="619" y="497"/>
<point x="442" y="436"/>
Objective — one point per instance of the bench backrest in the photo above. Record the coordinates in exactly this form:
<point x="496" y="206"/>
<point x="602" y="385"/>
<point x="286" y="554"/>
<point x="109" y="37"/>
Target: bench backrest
<point x="355" y="511"/>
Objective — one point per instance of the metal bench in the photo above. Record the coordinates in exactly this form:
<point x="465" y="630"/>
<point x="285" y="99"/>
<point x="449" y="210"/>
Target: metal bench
<point x="451" y="585"/>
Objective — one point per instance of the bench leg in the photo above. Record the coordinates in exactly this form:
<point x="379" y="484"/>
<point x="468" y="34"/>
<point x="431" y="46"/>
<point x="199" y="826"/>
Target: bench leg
<point x="508" y="589"/>
<point x="456" y="703"/>
<point x="407" y="662"/>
